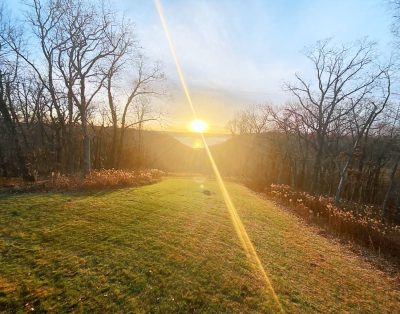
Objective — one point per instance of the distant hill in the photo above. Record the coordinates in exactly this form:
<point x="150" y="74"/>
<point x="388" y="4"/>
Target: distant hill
<point x="165" y="151"/>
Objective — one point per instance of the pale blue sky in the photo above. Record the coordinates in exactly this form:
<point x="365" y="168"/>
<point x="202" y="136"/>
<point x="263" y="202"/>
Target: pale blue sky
<point x="237" y="53"/>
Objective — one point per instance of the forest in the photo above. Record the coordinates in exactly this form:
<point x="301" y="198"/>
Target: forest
<point x="74" y="82"/>
<point x="80" y="74"/>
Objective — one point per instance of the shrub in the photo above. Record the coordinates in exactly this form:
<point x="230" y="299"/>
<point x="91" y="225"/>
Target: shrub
<point x="357" y="222"/>
<point x="98" y="179"/>
<point x="102" y="179"/>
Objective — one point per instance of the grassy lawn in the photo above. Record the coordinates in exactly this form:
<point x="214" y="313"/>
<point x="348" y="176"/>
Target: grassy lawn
<point x="169" y="248"/>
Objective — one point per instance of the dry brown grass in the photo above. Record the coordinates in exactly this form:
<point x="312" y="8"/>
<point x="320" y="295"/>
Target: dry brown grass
<point x="96" y="180"/>
<point x="102" y="179"/>
<point x="360" y="223"/>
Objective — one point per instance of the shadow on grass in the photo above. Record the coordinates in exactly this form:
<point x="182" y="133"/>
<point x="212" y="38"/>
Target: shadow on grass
<point x="6" y="194"/>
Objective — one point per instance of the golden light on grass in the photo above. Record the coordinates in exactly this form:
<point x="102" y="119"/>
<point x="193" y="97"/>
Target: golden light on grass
<point x="241" y="232"/>
<point x="198" y="126"/>
<point x="197" y="143"/>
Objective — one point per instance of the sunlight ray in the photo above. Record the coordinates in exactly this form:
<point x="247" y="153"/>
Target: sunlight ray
<point x="244" y="238"/>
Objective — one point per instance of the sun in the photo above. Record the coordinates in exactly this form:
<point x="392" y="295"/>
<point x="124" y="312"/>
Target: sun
<point x="198" y="126"/>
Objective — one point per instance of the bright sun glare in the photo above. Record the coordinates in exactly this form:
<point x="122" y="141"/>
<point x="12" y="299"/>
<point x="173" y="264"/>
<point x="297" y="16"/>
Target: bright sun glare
<point x="198" y="126"/>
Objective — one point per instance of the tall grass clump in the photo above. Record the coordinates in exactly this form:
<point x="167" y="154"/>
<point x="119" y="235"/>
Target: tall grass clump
<point x="96" y="180"/>
<point x="103" y="179"/>
<point x="357" y="222"/>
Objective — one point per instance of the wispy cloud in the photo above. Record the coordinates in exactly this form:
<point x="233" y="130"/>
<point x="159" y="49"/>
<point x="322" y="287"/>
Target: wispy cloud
<point x="243" y="51"/>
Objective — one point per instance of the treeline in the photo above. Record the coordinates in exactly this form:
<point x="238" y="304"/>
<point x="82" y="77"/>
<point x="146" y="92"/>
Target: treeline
<point x="340" y="134"/>
<point x="73" y="80"/>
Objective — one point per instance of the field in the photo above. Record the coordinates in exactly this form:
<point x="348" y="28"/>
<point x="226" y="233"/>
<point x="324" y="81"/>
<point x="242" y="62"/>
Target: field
<point x="169" y="248"/>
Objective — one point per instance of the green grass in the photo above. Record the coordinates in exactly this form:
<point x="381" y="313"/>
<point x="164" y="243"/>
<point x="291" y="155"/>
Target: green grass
<point x="169" y="248"/>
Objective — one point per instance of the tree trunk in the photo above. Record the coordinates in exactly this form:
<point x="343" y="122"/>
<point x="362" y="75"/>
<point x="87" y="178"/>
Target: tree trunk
<point x="112" y="161"/>
<point x="70" y="136"/>
<point x="317" y="170"/>
<point x="343" y="173"/>
<point x="390" y="187"/>
<point x="120" y="147"/>
<point x="343" y="177"/>
<point x="86" y="145"/>
<point x="113" y="152"/>
<point x="11" y="128"/>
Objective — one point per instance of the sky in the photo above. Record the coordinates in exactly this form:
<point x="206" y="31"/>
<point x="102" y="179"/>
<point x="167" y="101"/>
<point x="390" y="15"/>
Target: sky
<point x="237" y="53"/>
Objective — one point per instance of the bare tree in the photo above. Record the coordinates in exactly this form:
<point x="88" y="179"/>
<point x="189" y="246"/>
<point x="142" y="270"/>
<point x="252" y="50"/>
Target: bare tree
<point x="369" y="110"/>
<point x="56" y="70"/>
<point x="9" y="70"/>
<point x="341" y="74"/>
<point x="142" y="86"/>
<point x="92" y="40"/>
<point x="252" y="120"/>
<point x="43" y="18"/>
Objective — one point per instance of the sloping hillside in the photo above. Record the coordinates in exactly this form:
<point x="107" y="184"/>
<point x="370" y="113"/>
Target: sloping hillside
<point x="169" y="248"/>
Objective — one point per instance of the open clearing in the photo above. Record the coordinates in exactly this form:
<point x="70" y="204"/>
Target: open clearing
<point x="170" y="248"/>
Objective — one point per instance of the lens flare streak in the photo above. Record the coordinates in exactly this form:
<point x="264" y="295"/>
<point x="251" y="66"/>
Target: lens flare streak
<point x="244" y="238"/>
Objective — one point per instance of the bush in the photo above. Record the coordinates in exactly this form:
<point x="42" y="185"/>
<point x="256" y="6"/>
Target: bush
<point x="98" y="179"/>
<point x="357" y="222"/>
<point x="101" y="179"/>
